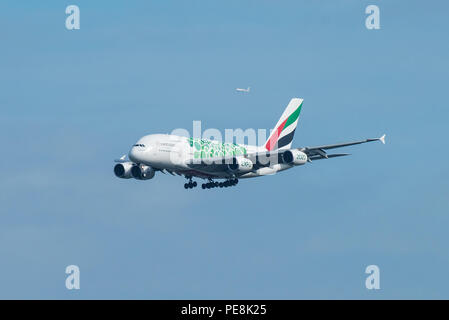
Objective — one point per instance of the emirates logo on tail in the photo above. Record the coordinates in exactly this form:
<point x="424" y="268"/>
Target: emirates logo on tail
<point x="282" y="135"/>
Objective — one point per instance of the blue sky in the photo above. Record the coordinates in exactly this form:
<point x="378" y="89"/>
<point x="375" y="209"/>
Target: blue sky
<point x="72" y="101"/>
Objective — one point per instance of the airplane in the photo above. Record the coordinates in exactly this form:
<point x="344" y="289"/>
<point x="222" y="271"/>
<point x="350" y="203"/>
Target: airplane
<point x="212" y="160"/>
<point x="242" y="90"/>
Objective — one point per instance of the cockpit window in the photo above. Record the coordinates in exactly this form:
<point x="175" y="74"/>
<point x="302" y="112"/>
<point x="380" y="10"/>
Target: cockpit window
<point x="139" y="145"/>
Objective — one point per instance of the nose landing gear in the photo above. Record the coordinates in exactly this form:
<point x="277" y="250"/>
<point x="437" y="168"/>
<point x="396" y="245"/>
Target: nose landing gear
<point x="191" y="184"/>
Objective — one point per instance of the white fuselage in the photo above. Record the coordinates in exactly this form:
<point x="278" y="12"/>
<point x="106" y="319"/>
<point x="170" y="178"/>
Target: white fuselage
<point x="173" y="153"/>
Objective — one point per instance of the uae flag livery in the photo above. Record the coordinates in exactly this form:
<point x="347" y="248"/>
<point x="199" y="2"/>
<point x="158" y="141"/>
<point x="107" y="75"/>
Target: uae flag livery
<point x="282" y="135"/>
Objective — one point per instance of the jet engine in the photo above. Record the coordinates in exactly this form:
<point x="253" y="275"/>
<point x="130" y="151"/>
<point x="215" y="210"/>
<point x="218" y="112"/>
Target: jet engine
<point x="142" y="172"/>
<point x="294" y="157"/>
<point x="123" y="170"/>
<point x="240" y="165"/>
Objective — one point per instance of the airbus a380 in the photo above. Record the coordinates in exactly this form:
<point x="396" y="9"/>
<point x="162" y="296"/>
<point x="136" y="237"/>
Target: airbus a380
<point x="227" y="162"/>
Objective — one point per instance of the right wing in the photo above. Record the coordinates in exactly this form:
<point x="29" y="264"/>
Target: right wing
<point x="219" y="164"/>
<point x="319" y="152"/>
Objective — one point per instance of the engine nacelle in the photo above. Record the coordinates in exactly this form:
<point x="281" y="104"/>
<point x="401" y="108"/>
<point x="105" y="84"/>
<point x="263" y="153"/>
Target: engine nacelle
<point x="294" y="157"/>
<point x="240" y="165"/>
<point x="123" y="170"/>
<point x="142" y="172"/>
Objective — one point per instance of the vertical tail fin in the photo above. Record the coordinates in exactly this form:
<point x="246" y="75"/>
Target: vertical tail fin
<point x="282" y="135"/>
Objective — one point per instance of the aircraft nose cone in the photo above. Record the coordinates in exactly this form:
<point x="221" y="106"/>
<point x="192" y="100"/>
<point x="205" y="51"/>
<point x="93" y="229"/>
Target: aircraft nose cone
<point x="133" y="155"/>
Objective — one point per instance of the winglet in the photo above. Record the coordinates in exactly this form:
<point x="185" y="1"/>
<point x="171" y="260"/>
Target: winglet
<point x="122" y="159"/>
<point x="382" y="139"/>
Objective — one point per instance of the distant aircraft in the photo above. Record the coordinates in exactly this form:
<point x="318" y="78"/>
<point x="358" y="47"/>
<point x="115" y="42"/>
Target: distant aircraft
<point x="209" y="159"/>
<point x="242" y="90"/>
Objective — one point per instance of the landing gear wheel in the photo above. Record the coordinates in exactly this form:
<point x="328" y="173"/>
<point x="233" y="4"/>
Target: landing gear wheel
<point x="191" y="184"/>
<point x="211" y="184"/>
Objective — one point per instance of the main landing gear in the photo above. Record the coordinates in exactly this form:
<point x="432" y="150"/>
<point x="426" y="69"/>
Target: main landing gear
<point x="213" y="184"/>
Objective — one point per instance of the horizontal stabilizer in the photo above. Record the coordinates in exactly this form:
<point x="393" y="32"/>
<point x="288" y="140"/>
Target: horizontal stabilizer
<point x="328" y="156"/>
